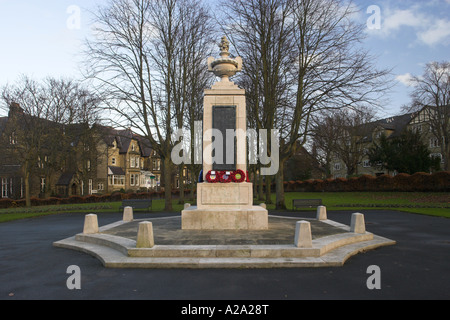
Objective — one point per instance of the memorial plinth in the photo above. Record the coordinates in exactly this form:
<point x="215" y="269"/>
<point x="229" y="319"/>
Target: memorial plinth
<point x="225" y="198"/>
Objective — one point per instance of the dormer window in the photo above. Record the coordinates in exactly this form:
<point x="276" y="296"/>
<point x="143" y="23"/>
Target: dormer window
<point x="12" y="138"/>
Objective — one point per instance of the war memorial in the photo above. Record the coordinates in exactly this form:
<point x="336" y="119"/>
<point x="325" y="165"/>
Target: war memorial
<point x="224" y="229"/>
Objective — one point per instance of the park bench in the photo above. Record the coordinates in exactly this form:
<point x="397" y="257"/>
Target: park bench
<point x="137" y="204"/>
<point x="306" y="203"/>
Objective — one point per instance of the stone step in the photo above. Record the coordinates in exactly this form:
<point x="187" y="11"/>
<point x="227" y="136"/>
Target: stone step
<point x="113" y="258"/>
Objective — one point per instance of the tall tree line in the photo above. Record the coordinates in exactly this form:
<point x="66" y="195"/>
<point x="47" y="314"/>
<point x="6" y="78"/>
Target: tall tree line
<point x="301" y="57"/>
<point x="148" y="58"/>
<point x="38" y="135"/>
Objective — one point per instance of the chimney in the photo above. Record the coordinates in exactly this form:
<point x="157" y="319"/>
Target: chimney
<point x="14" y="109"/>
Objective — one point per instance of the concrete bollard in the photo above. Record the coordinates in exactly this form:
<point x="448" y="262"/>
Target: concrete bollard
<point x="321" y="213"/>
<point x="90" y="224"/>
<point x="357" y="224"/>
<point x="128" y="214"/>
<point x="303" y="237"/>
<point x="145" y="237"/>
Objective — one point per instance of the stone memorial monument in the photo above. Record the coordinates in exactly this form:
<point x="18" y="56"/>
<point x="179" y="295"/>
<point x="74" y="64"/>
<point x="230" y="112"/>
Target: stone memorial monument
<point x="225" y="197"/>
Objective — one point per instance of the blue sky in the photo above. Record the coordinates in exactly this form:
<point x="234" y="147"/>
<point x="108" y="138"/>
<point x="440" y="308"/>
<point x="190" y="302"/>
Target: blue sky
<point x="37" y="41"/>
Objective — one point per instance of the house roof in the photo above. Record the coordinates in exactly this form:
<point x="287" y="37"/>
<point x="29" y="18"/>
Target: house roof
<point x="117" y="171"/>
<point x="123" y="139"/>
<point x="65" y="179"/>
<point x="396" y="124"/>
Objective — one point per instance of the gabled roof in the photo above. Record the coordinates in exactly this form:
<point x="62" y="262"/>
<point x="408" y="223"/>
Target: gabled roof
<point x="123" y="139"/>
<point x="397" y="124"/>
<point x="118" y="171"/>
<point x="65" y="179"/>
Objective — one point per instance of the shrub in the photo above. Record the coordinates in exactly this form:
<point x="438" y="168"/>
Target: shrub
<point x="419" y="182"/>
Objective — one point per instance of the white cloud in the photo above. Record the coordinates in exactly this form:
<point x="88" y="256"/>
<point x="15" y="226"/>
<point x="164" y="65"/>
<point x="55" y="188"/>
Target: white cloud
<point x="428" y="28"/>
<point x="406" y="79"/>
<point x="393" y="21"/>
<point x="439" y="32"/>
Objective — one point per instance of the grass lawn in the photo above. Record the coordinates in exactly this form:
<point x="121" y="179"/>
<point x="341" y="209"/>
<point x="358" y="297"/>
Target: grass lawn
<point x="435" y="204"/>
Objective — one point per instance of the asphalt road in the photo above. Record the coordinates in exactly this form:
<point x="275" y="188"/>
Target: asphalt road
<point x="417" y="267"/>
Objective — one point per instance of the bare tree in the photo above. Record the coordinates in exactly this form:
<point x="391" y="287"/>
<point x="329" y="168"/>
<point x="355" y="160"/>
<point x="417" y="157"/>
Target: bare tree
<point x="143" y="58"/>
<point x="316" y="63"/>
<point x="39" y="112"/>
<point x="431" y="93"/>
<point x="262" y="36"/>
<point x="350" y="129"/>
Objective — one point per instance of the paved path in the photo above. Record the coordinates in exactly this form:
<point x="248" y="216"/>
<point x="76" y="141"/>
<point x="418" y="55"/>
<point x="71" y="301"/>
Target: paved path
<point x="417" y="267"/>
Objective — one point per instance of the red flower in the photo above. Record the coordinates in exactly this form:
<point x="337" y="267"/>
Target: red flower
<point x="212" y="178"/>
<point x="224" y="177"/>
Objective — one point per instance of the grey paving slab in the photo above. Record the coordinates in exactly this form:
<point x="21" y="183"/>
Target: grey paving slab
<point x="168" y="231"/>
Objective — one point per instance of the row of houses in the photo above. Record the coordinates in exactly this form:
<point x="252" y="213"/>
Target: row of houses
<point x="423" y="121"/>
<point x="73" y="159"/>
<point x="77" y="159"/>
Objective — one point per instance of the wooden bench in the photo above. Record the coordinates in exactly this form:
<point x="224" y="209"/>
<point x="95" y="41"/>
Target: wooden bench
<point x="306" y="203"/>
<point x="137" y="204"/>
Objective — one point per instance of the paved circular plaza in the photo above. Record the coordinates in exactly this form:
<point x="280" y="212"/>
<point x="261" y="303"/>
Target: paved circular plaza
<point x="416" y="267"/>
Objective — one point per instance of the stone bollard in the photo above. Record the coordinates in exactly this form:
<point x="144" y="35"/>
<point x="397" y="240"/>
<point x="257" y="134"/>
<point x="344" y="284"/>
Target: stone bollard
<point x="321" y="213"/>
<point x="128" y="214"/>
<point x="145" y="237"/>
<point x="303" y="238"/>
<point x="357" y="224"/>
<point x="90" y="224"/>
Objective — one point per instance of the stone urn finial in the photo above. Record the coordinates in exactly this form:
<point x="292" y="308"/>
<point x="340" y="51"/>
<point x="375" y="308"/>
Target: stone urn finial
<point x="224" y="47"/>
<point x="224" y="67"/>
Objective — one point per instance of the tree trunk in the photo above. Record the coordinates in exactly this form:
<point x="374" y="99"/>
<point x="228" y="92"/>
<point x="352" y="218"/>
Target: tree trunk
<point x="280" y="203"/>
<point x="167" y="184"/>
<point x="27" y="190"/>
<point x="260" y="187"/>
<point x="268" y="189"/>
<point x="181" y="183"/>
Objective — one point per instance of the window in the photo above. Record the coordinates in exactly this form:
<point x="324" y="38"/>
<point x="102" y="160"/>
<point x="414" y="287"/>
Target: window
<point x="134" y="179"/>
<point x="12" y="138"/>
<point x="434" y="142"/>
<point x="4" y="188"/>
<point x="337" y="166"/>
<point x="90" y="187"/>
<point x="42" y="185"/>
<point x="132" y="162"/>
<point x="116" y="180"/>
<point x="88" y="165"/>
<point x="113" y="161"/>
<point x="366" y="164"/>
<point x="100" y="187"/>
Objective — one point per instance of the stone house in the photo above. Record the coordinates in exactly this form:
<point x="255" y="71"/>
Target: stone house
<point x="74" y="159"/>
<point x="390" y="127"/>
